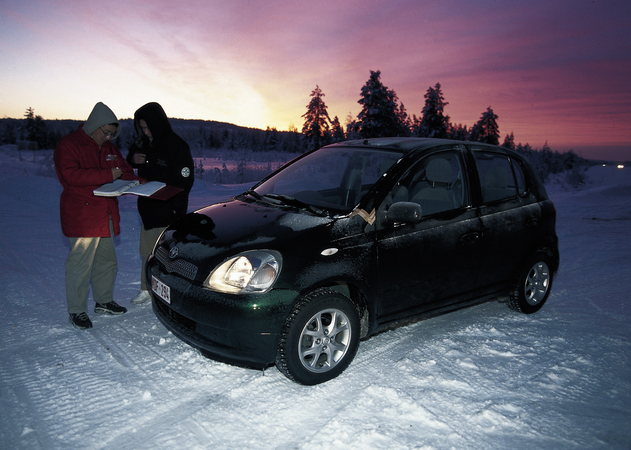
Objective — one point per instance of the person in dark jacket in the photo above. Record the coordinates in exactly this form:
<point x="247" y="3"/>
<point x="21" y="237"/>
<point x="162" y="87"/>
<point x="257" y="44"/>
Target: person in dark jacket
<point x="159" y="154"/>
<point x="84" y="160"/>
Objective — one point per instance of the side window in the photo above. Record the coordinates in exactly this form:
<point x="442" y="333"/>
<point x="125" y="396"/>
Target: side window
<point x="520" y="177"/>
<point x="435" y="182"/>
<point x="496" y="176"/>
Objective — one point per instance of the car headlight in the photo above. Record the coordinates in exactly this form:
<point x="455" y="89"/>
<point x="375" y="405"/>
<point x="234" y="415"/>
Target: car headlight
<point x="251" y="272"/>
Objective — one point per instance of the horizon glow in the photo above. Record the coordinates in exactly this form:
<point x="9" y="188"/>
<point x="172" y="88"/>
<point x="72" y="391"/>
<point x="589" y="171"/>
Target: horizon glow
<point x="554" y="72"/>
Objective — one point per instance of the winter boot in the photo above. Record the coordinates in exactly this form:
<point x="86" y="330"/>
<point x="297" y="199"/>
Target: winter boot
<point x="109" y="308"/>
<point x="141" y="297"/>
<point x="80" y="321"/>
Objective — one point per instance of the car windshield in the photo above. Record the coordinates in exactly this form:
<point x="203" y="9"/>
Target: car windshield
<point x="332" y="178"/>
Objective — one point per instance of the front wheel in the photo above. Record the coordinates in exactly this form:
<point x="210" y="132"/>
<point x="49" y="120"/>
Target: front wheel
<point x="319" y="339"/>
<point x="533" y="286"/>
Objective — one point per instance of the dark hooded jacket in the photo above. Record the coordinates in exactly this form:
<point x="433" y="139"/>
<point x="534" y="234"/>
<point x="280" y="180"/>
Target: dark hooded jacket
<point x="168" y="160"/>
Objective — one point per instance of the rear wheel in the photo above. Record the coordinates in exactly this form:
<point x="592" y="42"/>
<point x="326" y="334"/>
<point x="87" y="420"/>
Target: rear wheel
<point x="319" y="339"/>
<point x="533" y="286"/>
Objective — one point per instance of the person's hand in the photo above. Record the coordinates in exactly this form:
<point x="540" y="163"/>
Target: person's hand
<point x="116" y="173"/>
<point x="139" y="158"/>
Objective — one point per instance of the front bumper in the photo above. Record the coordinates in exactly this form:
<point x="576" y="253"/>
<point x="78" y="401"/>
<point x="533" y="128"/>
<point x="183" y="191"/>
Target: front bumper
<point x="238" y="329"/>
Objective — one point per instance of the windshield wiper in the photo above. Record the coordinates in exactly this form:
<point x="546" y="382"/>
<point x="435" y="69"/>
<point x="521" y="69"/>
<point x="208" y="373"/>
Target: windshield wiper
<point x="291" y="201"/>
<point x="253" y="193"/>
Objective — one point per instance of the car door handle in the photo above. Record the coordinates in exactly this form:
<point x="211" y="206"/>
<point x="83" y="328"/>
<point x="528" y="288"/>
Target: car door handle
<point x="469" y="238"/>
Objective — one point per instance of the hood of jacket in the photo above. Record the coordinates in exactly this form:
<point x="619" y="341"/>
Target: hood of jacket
<point x="101" y="115"/>
<point x="156" y="120"/>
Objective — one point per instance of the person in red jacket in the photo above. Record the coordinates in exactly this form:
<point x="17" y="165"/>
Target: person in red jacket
<point x="84" y="160"/>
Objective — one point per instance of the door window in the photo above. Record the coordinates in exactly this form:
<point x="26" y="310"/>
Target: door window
<point x="435" y="182"/>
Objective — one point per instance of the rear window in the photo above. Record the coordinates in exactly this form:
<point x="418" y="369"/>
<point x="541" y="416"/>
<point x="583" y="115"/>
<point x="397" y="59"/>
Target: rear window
<point x="500" y="179"/>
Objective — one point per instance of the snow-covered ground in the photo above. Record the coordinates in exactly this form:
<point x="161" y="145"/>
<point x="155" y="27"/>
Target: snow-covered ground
<point x="480" y="378"/>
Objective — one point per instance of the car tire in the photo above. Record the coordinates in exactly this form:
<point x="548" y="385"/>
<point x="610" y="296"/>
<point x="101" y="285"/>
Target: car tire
<point x="533" y="285"/>
<point x="319" y="339"/>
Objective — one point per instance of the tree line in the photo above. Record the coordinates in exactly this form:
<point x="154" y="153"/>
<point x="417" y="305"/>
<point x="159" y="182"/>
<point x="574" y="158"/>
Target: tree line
<point x="381" y="115"/>
<point x="32" y="129"/>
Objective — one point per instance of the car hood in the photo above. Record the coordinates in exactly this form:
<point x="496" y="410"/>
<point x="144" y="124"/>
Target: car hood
<point x="223" y="229"/>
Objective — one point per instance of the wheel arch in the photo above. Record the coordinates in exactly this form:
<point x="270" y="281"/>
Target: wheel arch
<point x="550" y="248"/>
<point x="548" y="245"/>
<point x="356" y="294"/>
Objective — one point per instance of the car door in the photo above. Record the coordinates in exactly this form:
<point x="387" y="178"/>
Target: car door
<point x="428" y="265"/>
<point x="510" y="216"/>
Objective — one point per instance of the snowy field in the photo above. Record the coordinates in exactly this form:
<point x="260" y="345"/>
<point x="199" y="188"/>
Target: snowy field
<point x="480" y="378"/>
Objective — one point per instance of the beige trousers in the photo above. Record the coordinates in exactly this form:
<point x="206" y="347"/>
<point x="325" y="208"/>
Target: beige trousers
<point x="148" y="239"/>
<point x="91" y="261"/>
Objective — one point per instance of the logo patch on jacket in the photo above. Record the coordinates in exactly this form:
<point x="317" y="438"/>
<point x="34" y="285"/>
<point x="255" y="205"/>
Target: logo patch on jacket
<point x="186" y="172"/>
<point x="111" y="158"/>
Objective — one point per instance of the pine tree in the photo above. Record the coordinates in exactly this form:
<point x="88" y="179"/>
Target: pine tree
<point x="509" y="141"/>
<point x="415" y="124"/>
<point x="316" y="126"/>
<point x="404" y="120"/>
<point x="380" y="114"/>
<point x="27" y="128"/>
<point x="458" y="132"/>
<point x="352" y="128"/>
<point x="337" y="133"/>
<point x="271" y="139"/>
<point x="35" y="128"/>
<point x="486" y="130"/>
<point x="434" y="123"/>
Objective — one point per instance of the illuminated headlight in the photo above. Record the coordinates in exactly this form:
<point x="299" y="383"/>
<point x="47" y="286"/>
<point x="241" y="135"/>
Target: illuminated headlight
<point x="252" y="272"/>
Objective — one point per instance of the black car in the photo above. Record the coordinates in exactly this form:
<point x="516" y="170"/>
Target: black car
<point x="349" y="240"/>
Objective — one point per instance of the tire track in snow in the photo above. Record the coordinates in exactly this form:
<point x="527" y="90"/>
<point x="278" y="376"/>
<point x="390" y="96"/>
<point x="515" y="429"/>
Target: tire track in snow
<point x="53" y="386"/>
<point x="18" y="387"/>
<point x="159" y="420"/>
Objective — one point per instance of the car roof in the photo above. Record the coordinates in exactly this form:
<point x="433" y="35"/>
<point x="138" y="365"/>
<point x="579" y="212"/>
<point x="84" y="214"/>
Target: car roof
<point x="405" y="144"/>
<point x="409" y="144"/>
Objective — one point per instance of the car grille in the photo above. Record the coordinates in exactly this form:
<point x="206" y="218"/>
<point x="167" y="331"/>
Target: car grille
<point x="178" y="266"/>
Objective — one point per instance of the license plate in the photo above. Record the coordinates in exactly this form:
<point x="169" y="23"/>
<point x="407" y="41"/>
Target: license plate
<point x="162" y="290"/>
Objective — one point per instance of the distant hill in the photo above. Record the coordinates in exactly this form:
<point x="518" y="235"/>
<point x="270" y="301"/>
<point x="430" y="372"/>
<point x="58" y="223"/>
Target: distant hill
<point x="199" y="134"/>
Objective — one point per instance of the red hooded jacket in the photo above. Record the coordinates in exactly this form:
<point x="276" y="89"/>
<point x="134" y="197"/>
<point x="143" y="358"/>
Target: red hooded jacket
<point x="82" y="167"/>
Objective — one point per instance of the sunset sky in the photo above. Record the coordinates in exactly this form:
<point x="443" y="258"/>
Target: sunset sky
<point x="552" y="70"/>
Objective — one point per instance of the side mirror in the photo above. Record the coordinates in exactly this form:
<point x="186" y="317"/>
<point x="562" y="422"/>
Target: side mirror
<point x="404" y="212"/>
